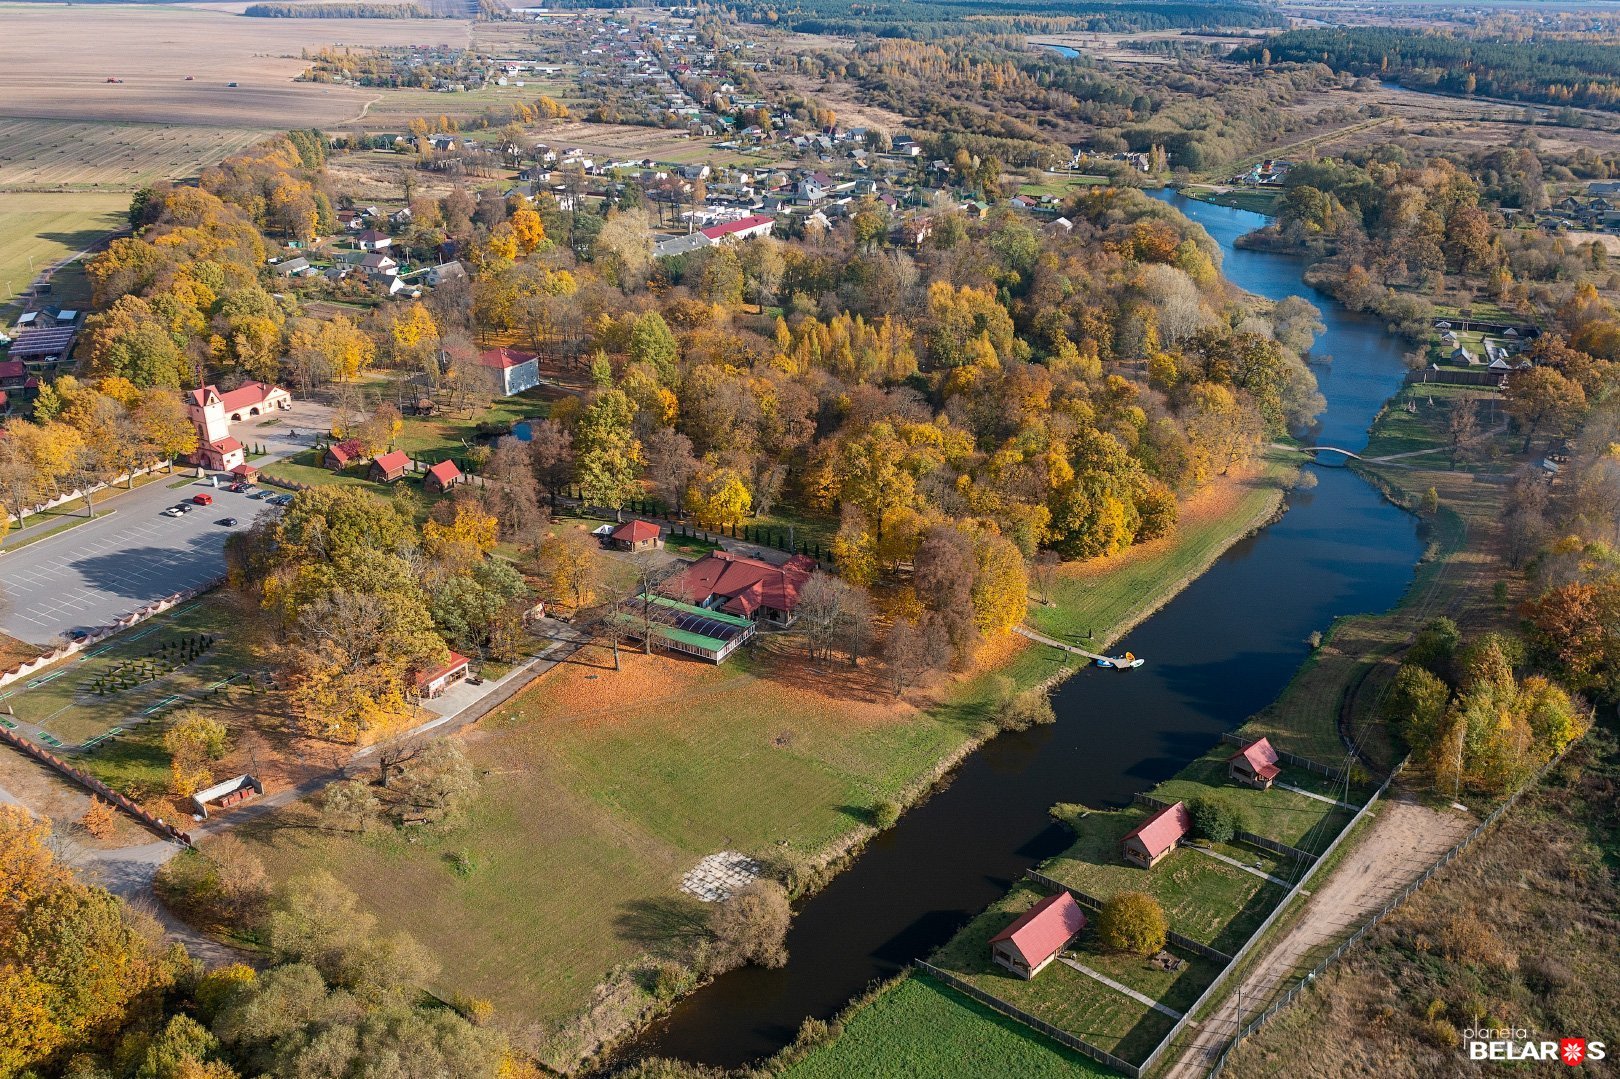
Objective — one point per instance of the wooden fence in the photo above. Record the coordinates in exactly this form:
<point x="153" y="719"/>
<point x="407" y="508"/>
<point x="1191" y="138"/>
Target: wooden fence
<point x="94" y="785"/>
<point x="1185" y="943"/>
<point x="1286" y="757"/>
<point x="1062" y="1037"/>
<point x="1247" y="837"/>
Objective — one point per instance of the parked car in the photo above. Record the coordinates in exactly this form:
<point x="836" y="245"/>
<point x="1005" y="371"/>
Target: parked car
<point x="203" y="499"/>
<point x="174" y="511"/>
<point x="238" y="487"/>
<point x="228" y="522"/>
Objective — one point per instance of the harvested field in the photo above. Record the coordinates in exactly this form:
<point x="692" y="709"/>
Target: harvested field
<point x="52" y="155"/>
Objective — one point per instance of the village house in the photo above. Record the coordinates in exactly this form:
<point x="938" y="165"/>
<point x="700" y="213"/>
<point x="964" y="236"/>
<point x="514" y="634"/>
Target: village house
<point x="340" y="455"/>
<point x="743" y="586"/>
<point x="377" y="264"/>
<point x="1157" y="836"/>
<point x="441" y="477"/>
<point x="1038" y="935"/>
<point x="637" y="536"/>
<point x="445" y="271"/>
<point x="514" y="371"/>
<point x="372" y="240"/>
<point x="434" y="681"/>
<point x="1255" y="765"/>
<point x="212" y="413"/>
<point x="388" y="467"/>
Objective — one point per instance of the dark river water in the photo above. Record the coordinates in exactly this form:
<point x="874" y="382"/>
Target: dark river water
<point x="1217" y="653"/>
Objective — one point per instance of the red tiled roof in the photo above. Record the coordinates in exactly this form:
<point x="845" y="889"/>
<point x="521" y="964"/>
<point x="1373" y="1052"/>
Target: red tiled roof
<point x="714" y="232"/>
<point x="12" y="369"/>
<point x="1163" y="830"/>
<point x="445" y="472"/>
<point x="636" y="531"/>
<point x="392" y="460"/>
<point x="504" y="357"/>
<point x="246" y="395"/>
<point x="227" y="445"/>
<point x="1042" y="930"/>
<point x="746" y="583"/>
<point x="1262" y="758"/>
<point x="456" y="660"/>
<point x="245" y="469"/>
<point x="347" y="450"/>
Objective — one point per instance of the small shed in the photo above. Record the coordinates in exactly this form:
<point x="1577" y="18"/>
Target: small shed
<point x="637" y="536"/>
<point x="1255" y="765"/>
<point x="434" y="681"/>
<point x="340" y="455"/>
<point x="229" y="793"/>
<point x="1157" y="836"/>
<point x="441" y="477"/>
<point x="1032" y="941"/>
<point x="389" y="466"/>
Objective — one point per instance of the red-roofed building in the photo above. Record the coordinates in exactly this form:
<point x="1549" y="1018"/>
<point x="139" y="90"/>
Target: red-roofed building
<point x="389" y="466"/>
<point x="213" y="413"/>
<point x="637" y="536"/>
<point x="743" y="586"/>
<point x="1255" y="765"/>
<point x="431" y="683"/>
<point x="1157" y="836"/>
<point x="741" y="229"/>
<point x="1039" y="934"/>
<point x="514" y="370"/>
<point x="441" y="477"/>
<point x="340" y="455"/>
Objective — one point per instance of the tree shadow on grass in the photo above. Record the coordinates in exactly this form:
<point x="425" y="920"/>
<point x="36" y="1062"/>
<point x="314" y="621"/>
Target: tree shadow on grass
<point x="667" y="926"/>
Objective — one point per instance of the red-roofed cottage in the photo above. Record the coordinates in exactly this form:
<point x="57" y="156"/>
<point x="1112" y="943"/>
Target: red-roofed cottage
<point x="1039" y="934"/>
<point x="743" y="586"/>
<point x="1255" y="765"/>
<point x="441" y="477"/>
<point x="431" y="683"/>
<point x="388" y="467"/>
<point x="637" y="536"/>
<point x="1156" y="836"/>
<point x="514" y="371"/>
<point x="340" y="455"/>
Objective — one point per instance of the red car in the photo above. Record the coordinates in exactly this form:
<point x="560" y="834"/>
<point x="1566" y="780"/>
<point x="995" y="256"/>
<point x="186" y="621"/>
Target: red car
<point x="203" y="500"/>
<point x="238" y="487"/>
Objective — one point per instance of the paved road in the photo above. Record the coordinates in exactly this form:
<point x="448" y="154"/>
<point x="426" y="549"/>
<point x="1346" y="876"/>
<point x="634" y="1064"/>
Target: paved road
<point x="93" y="573"/>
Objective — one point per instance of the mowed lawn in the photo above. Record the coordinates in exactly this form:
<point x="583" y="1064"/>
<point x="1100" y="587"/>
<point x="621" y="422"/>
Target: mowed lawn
<point x="1283" y="815"/>
<point x="920" y="1029"/>
<point x="602" y="788"/>
<point x="1205" y="899"/>
<point x="38" y="229"/>
<point x="1104" y="595"/>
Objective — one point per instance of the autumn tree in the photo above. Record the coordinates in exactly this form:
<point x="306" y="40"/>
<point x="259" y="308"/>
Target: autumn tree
<point x="751" y="926"/>
<point x="569" y="561"/>
<point x="1132" y="922"/>
<point x="607" y="455"/>
<point x="1541" y="398"/>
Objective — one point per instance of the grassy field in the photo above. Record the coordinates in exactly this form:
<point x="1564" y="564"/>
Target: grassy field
<point x="1251" y="199"/>
<point x="1207" y="900"/>
<point x="919" y="1029"/>
<point x="39" y="230"/>
<point x="91" y="157"/>
<point x="1061" y="187"/>
<point x="1276" y="814"/>
<point x="1094" y="596"/>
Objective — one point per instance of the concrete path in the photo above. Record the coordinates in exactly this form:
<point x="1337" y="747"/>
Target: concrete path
<point x="1055" y="643"/>
<point x="1235" y="864"/>
<point x="1127" y="990"/>
<point x="1313" y="794"/>
<point x="1405" y="839"/>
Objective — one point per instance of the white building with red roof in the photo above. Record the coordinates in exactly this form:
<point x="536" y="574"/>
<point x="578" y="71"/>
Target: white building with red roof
<point x="1032" y="941"/>
<point x="213" y="412"/>
<point x="434" y="681"/>
<point x="1255" y="765"/>
<point x="1157" y="836"/>
<point x="741" y="229"/>
<point x="514" y="370"/>
<point x="739" y="585"/>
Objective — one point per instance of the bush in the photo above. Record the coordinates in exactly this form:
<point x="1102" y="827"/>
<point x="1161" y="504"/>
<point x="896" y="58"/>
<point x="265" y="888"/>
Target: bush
<point x="1213" y="819"/>
<point x="1132" y="922"/>
<point x="751" y="926"/>
<point x="1435" y="646"/>
<point x="1021" y="711"/>
<point x="885" y="814"/>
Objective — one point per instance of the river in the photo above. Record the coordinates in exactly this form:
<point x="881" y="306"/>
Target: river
<point x="1217" y="653"/>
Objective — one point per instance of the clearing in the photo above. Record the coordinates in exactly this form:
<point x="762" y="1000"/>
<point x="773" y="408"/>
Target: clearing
<point x="39" y="231"/>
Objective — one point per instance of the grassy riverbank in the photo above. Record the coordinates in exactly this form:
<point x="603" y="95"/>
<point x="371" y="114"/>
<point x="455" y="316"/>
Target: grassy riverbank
<point x="603" y="787"/>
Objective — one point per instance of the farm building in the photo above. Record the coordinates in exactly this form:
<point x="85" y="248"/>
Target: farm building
<point x="1157" y="836"/>
<point x="46" y="346"/>
<point x="434" y="681"/>
<point x="683" y="627"/>
<point x="743" y="586"/>
<point x="514" y="371"/>
<point x="441" y="477"/>
<point x="340" y="455"/>
<point x="1032" y="941"/>
<point x="741" y="229"/>
<point x="389" y="467"/>
<point x="1255" y="765"/>
<point x="637" y="536"/>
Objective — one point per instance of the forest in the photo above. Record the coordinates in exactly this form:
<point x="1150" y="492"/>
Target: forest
<point x="927" y="19"/>
<point x="1549" y="71"/>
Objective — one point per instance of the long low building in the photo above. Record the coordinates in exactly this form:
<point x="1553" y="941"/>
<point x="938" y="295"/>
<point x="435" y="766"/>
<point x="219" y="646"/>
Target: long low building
<point x="685" y="627"/>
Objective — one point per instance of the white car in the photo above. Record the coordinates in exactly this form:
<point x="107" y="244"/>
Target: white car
<point x="173" y="511"/>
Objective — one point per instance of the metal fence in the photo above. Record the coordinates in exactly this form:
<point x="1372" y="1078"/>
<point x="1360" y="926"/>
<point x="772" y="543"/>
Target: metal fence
<point x="1247" y="837"/>
<point x="1185" y="943"/>
<point x="1389" y="908"/>
<point x="1060" y="1036"/>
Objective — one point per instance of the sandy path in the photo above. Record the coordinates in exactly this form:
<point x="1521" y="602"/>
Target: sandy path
<point x="1406" y="838"/>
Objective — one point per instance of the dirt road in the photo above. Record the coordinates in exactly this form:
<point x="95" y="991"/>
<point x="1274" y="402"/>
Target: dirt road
<point x="1405" y="839"/>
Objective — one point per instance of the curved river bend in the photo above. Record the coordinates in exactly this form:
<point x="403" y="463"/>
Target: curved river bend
<point x="1217" y="653"/>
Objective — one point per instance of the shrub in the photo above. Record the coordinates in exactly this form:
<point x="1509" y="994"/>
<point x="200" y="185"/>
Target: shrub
<point x="1435" y="646"/>
<point x="1215" y="820"/>
<point x="1021" y="711"/>
<point x="751" y="926"/>
<point x="99" y="819"/>
<point x="885" y="814"/>
<point x="1132" y="922"/>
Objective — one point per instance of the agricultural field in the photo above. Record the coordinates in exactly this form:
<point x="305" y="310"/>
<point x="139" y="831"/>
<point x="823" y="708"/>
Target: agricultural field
<point x="919" y="1027"/>
<point x="38" y="231"/>
<point x="83" y="156"/>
